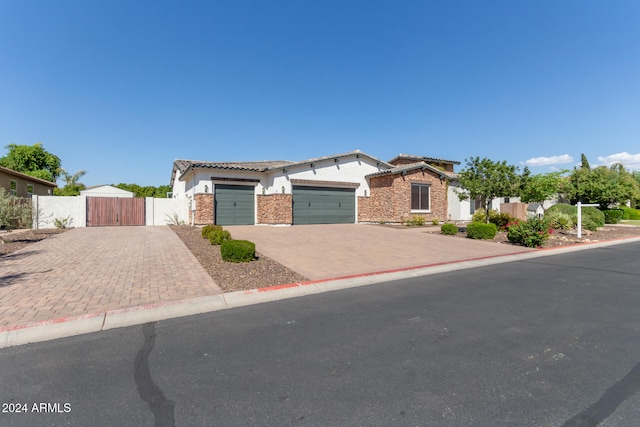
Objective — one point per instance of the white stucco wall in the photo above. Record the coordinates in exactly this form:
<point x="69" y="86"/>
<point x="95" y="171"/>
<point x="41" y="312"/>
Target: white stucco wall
<point x="48" y="208"/>
<point x="157" y="211"/>
<point x="460" y="210"/>
<point x="162" y="211"/>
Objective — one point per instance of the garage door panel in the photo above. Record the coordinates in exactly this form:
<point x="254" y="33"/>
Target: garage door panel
<point x="321" y="205"/>
<point x="234" y="204"/>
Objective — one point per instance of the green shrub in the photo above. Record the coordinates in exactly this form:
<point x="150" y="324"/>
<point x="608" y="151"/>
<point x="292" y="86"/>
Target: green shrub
<point x="500" y="219"/>
<point x="479" y="215"/>
<point x="531" y="233"/>
<point x="562" y="208"/>
<point x="418" y="220"/>
<point x="480" y="230"/>
<point x="613" y="216"/>
<point x="435" y="221"/>
<point x="631" y="213"/>
<point x="449" y="229"/>
<point x="592" y="218"/>
<point x="15" y="212"/>
<point x="559" y="221"/>
<point x="238" y="251"/>
<point x="207" y="229"/>
<point x="216" y="237"/>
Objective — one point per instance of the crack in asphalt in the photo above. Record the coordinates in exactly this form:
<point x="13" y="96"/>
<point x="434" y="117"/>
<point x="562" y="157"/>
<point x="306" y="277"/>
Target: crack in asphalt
<point x="161" y="407"/>
<point x="609" y="402"/>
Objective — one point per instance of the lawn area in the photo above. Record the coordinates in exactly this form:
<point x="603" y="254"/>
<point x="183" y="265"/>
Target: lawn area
<point x="631" y="221"/>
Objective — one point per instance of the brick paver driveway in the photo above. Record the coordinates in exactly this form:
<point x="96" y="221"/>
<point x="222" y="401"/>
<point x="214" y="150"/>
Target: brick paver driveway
<point x="326" y="251"/>
<point x="92" y="270"/>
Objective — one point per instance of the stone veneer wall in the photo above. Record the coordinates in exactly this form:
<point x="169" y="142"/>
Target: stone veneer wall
<point x="275" y="209"/>
<point x="204" y="209"/>
<point x="390" y="199"/>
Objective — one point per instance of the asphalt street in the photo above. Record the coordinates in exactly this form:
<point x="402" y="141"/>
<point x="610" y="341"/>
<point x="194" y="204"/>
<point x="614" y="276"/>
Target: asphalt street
<point x="548" y="341"/>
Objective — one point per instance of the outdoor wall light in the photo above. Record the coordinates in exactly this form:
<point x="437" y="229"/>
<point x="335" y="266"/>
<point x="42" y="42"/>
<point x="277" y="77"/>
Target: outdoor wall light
<point x="283" y="189"/>
<point x="264" y="190"/>
<point x="206" y="188"/>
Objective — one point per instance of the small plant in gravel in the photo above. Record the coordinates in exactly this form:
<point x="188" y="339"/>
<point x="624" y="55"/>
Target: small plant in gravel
<point x="560" y="221"/>
<point x="62" y="222"/>
<point x="449" y="229"/>
<point x="435" y="221"/>
<point x="207" y="229"/>
<point x="238" y="251"/>
<point x="417" y="220"/>
<point x="217" y="237"/>
<point x="480" y="230"/>
<point x="532" y="233"/>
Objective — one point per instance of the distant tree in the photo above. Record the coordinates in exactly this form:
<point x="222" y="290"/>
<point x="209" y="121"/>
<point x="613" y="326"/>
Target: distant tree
<point x="485" y="179"/>
<point x="71" y="187"/>
<point x="602" y="185"/>
<point x="148" y="191"/>
<point x="584" y="163"/>
<point x="32" y="160"/>
<point x="541" y="187"/>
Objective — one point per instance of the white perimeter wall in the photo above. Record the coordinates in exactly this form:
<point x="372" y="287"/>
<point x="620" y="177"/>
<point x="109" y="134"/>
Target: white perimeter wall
<point x="48" y="208"/>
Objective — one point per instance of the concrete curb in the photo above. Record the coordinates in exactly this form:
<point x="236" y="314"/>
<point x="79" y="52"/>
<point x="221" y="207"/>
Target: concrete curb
<point x="95" y="322"/>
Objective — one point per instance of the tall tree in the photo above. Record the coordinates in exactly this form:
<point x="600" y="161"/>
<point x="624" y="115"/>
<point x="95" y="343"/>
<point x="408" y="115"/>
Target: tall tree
<point x="72" y="185"/>
<point x="541" y="187"/>
<point x="147" y="191"/>
<point x="485" y="179"/>
<point x="33" y="160"/>
<point x="602" y="185"/>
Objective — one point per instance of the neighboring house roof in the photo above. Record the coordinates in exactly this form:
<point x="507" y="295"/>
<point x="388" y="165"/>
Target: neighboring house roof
<point x="261" y="166"/>
<point x="533" y="207"/>
<point x="412" y="166"/>
<point x="28" y="177"/>
<point x="423" y="159"/>
<point x="105" y="189"/>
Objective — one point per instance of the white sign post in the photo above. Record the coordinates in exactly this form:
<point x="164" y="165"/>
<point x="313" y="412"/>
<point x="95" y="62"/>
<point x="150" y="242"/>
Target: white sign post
<point x="580" y="205"/>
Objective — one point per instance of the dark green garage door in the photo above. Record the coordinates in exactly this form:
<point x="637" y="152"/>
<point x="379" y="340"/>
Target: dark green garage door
<point x="321" y="205"/>
<point x="234" y="204"/>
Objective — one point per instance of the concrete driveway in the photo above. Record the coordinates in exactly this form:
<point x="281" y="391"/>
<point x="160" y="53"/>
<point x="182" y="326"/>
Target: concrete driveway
<point x="93" y="270"/>
<point x="336" y="250"/>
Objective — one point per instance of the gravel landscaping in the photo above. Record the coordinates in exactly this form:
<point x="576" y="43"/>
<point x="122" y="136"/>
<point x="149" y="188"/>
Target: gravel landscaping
<point x="230" y="276"/>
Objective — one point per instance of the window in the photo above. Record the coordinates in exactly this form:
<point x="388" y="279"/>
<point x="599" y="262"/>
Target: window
<point x="420" y="197"/>
<point x="14" y="188"/>
<point x="29" y="190"/>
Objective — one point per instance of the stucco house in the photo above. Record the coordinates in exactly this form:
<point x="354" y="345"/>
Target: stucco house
<point x="350" y="187"/>
<point x="22" y="185"/>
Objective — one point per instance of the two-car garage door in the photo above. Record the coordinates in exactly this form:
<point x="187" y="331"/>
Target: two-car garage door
<point x="323" y="205"/>
<point x="235" y="205"/>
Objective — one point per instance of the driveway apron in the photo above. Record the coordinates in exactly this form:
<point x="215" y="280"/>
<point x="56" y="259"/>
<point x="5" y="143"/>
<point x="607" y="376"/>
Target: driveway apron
<point x="337" y="250"/>
<point x="93" y="270"/>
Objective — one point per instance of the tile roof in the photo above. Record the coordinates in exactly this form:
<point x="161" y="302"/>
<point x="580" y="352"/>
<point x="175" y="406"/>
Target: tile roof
<point x="413" y="166"/>
<point x="261" y="166"/>
<point x="424" y="158"/>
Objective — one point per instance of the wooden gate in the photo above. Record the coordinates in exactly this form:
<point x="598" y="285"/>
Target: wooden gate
<point x="109" y="211"/>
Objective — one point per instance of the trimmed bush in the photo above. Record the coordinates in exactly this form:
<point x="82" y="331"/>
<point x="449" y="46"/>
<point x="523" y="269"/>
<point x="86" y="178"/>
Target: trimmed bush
<point x="531" y="233"/>
<point x="592" y="218"/>
<point x="613" y="216"/>
<point x="631" y="213"/>
<point x="238" y="251"/>
<point x="207" y="229"/>
<point x="562" y="208"/>
<point x="449" y="229"/>
<point x="216" y="237"/>
<point x="479" y="230"/>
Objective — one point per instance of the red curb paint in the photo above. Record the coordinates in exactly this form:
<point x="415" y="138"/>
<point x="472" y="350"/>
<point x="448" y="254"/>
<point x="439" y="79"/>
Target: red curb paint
<point x="278" y="287"/>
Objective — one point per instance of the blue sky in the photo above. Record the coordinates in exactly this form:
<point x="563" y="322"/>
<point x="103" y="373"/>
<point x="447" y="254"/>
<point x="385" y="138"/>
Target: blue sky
<point x="122" y="88"/>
